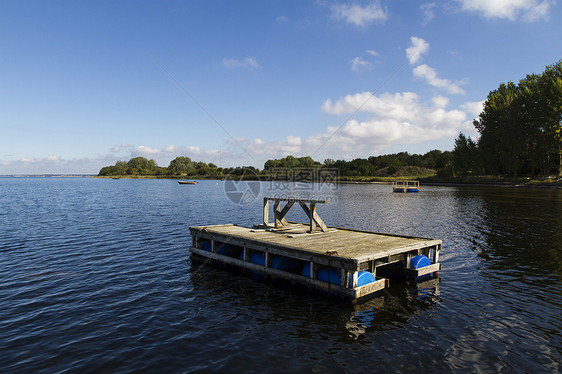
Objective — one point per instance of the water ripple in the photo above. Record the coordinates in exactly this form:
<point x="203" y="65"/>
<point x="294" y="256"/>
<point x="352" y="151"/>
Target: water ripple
<point x="95" y="276"/>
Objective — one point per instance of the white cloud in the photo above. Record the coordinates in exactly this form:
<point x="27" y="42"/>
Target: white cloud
<point x="440" y="101"/>
<point x="248" y="62"/>
<point x="474" y="108"/>
<point x="52" y="164"/>
<point x="392" y="105"/>
<point x="418" y="48"/>
<point x="291" y="145"/>
<point x="281" y="19"/>
<point x="359" y="63"/>
<point x="359" y="15"/>
<point x="427" y="10"/>
<point x="145" y="151"/>
<point x="372" y="52"/>
<point x="528" y="10"/>
<point x="430" y="76"/>
<point x="398" y="119"/>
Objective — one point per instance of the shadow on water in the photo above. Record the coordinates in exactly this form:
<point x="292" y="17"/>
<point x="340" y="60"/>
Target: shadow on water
<point x="514" y="318"/>
<point x="522" y="230"/>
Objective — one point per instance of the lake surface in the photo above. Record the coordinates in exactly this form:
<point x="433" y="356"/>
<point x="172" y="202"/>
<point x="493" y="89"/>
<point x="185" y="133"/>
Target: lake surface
<point x="95" y="276"/>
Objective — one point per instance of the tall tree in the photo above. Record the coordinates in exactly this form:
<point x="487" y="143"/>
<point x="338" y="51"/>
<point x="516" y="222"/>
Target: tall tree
<point x="520" y="126"/>
<point x="465" y="156"/>
<point x="551" y="85"/>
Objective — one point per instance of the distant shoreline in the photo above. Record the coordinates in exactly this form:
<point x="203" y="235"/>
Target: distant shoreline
<point x="48" y="176"/>
<point x="433" y="181"/>
<point x="461" y="182"/>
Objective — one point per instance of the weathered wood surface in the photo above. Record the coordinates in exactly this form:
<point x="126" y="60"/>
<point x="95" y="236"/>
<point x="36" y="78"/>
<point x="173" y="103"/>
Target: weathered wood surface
<point x="347" y="248"/>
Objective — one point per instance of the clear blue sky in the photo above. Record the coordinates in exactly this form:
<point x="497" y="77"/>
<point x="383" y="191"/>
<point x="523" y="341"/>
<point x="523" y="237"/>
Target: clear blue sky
<point x="86" y="83"/>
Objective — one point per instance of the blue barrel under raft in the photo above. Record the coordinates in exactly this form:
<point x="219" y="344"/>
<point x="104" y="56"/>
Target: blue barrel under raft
<point x="225" y="249"/>
<point x="229" y="250"/>
<point x="332" y="275"/>
<point x="364" y="277"/>
<point x="419" y="261"/>
<point x="257" y="258"/>
<point x="205" y="245"/>
<point x="291" y="265"/>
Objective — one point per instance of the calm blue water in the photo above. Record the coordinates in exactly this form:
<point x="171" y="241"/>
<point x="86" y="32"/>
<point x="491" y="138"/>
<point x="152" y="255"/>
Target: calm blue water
<point x="95" y="276"/>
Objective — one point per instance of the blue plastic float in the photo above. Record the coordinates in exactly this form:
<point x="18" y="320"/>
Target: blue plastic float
<point x="419" y="261"/>
<point x="364" y="277"/>
<point x="285" y="263"/>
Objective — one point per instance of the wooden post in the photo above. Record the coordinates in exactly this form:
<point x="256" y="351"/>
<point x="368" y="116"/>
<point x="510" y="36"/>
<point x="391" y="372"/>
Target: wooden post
<point x="277" y="213"/>
<point x="284" y="212"/>
<point x="355" y="276"/>
<point x="265" y="212"/>
<point x="344" y="278"/>
<point x="266" y="259"/>
<point x="312" y="221"/>
<point x="315" y="219"/>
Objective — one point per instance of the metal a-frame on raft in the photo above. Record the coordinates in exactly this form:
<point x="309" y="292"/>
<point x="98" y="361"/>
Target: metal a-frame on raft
<point x="345" y="262"/>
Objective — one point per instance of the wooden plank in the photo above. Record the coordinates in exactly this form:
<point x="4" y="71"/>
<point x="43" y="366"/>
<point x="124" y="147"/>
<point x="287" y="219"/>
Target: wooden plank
<point x="423" y="271"/>
<point x="314" y="217"/>
<point x="298" y="200"/>
<point x="352" y="246"/>
<point x="286" y="208"/>
<point x="265" y="212"/>
<point x="311" y="217"/>
<point x="371" y="288"/>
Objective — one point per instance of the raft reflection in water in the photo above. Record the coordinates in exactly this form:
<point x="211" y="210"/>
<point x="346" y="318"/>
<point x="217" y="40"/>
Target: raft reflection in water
<point x="312" y="314"/>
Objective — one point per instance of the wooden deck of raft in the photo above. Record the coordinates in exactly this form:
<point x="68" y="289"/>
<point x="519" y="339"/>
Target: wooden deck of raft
<point x="347" y="250"/>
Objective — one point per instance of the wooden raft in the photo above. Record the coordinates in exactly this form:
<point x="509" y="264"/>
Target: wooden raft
<point x="405" y="186"/>
<point x="318" y="246"/>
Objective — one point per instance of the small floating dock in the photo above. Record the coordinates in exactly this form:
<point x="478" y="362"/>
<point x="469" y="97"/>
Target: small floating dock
<point x="405" y="186"/>
<point x="345" y="262"/>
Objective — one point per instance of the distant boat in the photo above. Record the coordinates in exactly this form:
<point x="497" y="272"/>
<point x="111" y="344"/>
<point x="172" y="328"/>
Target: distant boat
<point x="187" y="182"/>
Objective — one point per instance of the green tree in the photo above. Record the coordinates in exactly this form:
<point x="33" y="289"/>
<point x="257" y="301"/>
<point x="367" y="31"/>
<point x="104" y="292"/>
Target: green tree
<point x="328" y="163"/>
<point x="180" y="165"/>
<point x="465" y="156"/>
<point x="520" y="126"/>
<point x="141" y="166"/>
<point x="551" y="106"/>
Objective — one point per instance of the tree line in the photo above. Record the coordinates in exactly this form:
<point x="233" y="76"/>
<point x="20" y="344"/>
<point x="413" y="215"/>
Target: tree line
<point x="180" y="166"/>
<point x="520" y="129"/>
<point x="384" y="165"/>
<point x="362" y="167"/>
